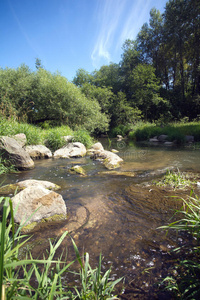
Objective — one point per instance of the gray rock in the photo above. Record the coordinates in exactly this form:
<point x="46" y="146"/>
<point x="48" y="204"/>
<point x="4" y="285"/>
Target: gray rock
<point x="110" y="160"/>
<point x="38" y="151"/>
<point x="71" y="150"/>
<point x="96" y="147"/>
<point x="119" y="138"/>
<point x="33" y="183"/>
<point x="168" y="143"/>
<point x="21" y="185"/>
<point x="21" y="139"/>
<point x="36" y="203"/>
<point x="11" y="150"/>
<point x="162" y="138"/>
<point x="154" y="140"/>
<point x="189" y="139"/>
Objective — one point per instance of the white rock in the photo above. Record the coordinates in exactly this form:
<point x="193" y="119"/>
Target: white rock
<point x="38" y="151"/>
<point x="71" y="150"/>
<point x="36" y="203"/>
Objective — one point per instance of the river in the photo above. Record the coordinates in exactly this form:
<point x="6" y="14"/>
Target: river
<point x="117" y="215"/>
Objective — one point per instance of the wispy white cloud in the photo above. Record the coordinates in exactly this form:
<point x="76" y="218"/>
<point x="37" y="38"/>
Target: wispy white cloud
<point x="118" y="20"/>
<point x="108" y="13"/>
<point x="135" y="18"/>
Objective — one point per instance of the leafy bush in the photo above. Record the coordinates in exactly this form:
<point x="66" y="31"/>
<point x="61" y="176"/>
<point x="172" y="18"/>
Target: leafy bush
<point x="120" y="130"/>
<point x="83" y="137"/>
<point x="6" y="166"/>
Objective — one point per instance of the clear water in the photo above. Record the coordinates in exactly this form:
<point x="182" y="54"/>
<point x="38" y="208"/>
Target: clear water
<point x="111" y="214"/>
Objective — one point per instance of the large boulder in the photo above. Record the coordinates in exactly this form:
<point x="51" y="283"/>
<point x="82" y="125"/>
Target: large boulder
<point x="38" y="151"/>
<point x="71" y="150"/>
<point x="109" y="159"/>
<point x="21" y="185"/>
<point x="96" y="147"/>
<point x="189" y="139"/>
<point x="12" y="150"/>
<point x="21" y="139"/>
<point x="36" y="203"/>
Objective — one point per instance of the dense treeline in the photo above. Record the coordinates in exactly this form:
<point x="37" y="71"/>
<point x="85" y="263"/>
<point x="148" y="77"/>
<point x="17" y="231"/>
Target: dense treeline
<point x="158" y="78"/>
<point x="159" y="73"/>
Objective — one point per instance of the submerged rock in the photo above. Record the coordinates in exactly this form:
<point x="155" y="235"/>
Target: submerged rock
<point x="21" y="185"/>
<point x="36" y="203"/>
<point x="71" y="150"/>
<point x="118" y="173"/>
<point x="38" y="151"/>
<point x="77" y="170"/>
<point x="11" y="150"/>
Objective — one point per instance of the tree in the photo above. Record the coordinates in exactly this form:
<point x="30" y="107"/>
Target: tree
<point x="145" y="92"/>
<point x="38" y="63"/>
<point x="82" y="77"/>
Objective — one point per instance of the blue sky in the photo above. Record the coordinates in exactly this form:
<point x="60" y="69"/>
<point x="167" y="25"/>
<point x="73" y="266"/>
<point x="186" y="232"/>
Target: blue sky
<point x="69" y="34"/>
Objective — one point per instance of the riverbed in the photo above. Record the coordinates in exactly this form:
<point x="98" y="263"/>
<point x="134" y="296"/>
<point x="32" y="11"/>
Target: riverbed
<point x="116" y="214"/>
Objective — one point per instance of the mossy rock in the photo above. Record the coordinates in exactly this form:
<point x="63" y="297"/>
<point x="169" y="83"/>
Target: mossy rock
<point x="10" y="189"/>
<point x="77" y="170"/>
<point x="52" y="219"/>
<point x="111" y="165"/>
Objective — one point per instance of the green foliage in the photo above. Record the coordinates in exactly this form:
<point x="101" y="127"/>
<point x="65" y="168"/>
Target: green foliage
<point x="41" y="96"/>
<point x="120" y="130"/>
<point x="54" y="137"/>
<point x="176" y="180"/>
<point x="175" y="131"/>
<point x="11" y="127"/>
<point x="6" y="167"/>
<point x="186" y="284"/>
<point x="94" y="284"/>
<point x="16" y="275"/>
<point x="83" y="137"/>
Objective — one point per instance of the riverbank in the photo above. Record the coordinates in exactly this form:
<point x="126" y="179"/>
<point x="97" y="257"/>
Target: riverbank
<point x="179" y="132"/>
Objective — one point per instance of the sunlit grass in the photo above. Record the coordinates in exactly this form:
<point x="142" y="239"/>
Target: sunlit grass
<point x="186" y="283"/>
<point x="174" y="131"/>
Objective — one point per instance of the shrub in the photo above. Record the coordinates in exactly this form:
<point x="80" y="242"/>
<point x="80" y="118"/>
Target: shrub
<point x="83" y="137"/>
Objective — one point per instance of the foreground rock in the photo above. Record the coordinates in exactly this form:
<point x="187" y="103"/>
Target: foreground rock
<point x="38" y="151"/>
<point x="11" y="150"/>
<point x="35" y="204"/>
<point x="21" y="185"/>
<point x="71" y="150"/>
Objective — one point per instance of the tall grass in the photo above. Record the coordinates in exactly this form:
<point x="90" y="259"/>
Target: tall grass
<point x="83" y="137"/>
<point x="186" y="284"/>
<point x="16" y="275"/>
<point x="174" y="131"/>
<point x="54" y="137"/>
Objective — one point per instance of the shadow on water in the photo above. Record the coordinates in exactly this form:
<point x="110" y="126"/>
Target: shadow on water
<point x="115" y="214"/>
